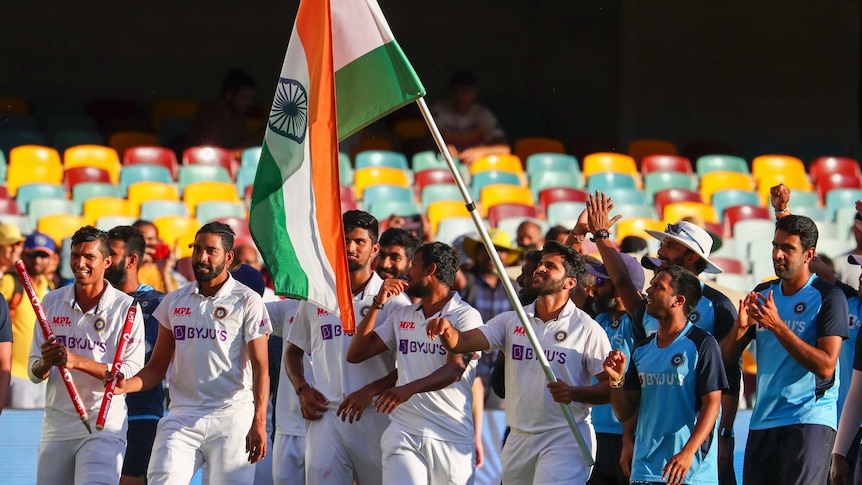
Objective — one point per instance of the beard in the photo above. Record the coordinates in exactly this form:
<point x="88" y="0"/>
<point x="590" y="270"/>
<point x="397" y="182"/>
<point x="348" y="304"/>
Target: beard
<point x="213" y="272"/>
<point x="527" y="295"/>
<point x="418" y="291"/>
<point x="116" y="274"/>
<point x="549" y="287"/>
<point x="606" y="305"/>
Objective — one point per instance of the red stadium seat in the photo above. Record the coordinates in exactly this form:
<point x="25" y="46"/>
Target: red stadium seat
<point x="837" y="181"/>
<point x="669" y="196"/>
<point x="823" y="166"/>
<point x="207" y="155"/>
<point x="729" y="265"/>
<point x="737" y="213"/>
<point x="242" y="235"/>
<point x="502" y="211"/>
<point x="665" y="163"/>
<point x="152" y="156"/>
<point x="9" y="206"/>
<point x="432" y="176"/>
<point x="75" y="175"/>
<point x="560" y="194"/>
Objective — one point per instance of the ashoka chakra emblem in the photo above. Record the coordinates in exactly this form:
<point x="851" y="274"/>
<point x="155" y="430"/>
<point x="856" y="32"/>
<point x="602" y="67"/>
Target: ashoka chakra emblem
<point x="289" y="114"/>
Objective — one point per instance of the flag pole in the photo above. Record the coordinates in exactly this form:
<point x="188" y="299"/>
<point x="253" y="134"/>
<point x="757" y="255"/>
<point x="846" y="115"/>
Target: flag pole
<point x="501" y="272"/>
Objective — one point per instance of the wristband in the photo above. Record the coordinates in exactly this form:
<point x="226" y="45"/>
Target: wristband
<point x="600" y="234"/>
<point x="376" y="305"/>
<point x="302" y="387"/>
<point x="617" y="384"/>
<point x="783" y="211"/>
<point x="725" y="433"/>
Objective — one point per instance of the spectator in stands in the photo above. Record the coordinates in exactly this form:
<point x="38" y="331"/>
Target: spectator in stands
<point x="145" y="408"/>
<point x="557" y="233"/>
<point x="222" y="122"/>
<point x="156" y="270"/>
<point x="247" y="254"/>
<point x="529" y="236"/>
<point x="470" y="130"/>
<point x="11" y="246"/>
<point x="39" y="248"/>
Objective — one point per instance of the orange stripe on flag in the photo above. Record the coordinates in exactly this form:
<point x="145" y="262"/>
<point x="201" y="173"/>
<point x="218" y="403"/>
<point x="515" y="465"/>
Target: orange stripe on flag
<point x="314" y="25"/>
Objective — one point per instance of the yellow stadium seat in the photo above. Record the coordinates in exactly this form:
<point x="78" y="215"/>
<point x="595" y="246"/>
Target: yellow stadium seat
<point x="444" y="209"/>
<point x="766" y="165"/>
<point x="165" y="109"/>
<point x="107" y="206"/>
<point x="498" y="163"/>
<point x="794" y="181"/>
<point x="14" y="104"/>
<point x="677" y="211"/>
<point x="140" y="192"/>
<point x="367" y="176"/>
<point x="638" y="149"/>
<point x="636" y="226"/>
<point x="127" y="139"/>
<point x="172" y="228"/>
<point x="183" y="242"/>
<point x="529" y="146"/>
<point x="492" y="195"/>
<point x="610" y="162"/>
<point x="94" y="156"/>
<point x="199" y="192"/>
<point x="60" y="226"/>
<point x="713" y="182"/>
<point x="33" y="164"/>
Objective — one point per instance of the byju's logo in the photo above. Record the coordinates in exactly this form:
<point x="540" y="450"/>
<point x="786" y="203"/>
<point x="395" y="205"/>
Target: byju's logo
<point x="180" y="332"/>
<point x="517" y="352"/>
<point x="326" y="331"/>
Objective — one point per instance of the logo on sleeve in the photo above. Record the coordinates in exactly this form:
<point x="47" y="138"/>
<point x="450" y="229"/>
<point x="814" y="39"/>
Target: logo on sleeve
<point x="561" y="336"/>
<point x="100" y="324"/>
<point x="800" y="307"/>
<point x="219" y="312"/>
<point x="677" y="360"/>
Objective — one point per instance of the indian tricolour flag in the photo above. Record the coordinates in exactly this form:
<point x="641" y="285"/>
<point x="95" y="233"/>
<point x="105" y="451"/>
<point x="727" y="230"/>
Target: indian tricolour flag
<point x="341" y="60"/>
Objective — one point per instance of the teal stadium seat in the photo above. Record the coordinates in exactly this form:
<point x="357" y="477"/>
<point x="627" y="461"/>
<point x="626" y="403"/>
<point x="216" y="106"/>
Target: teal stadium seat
<point x="656" y="181"/>
<point x="608" y="181"/>
<point x="629" y="211"/>
<point x="143" y="172"/>
<point x="250" y="157"/>
<point x="40" y="207"/>
<point x="190" y="174"/>
<point x="383" y="209"/>
<point x="558" y="162"/>
<point x="626" y="195"/>
<point x="723" y="199"/>
<point x="835" y="199"/>
<point x="540" y="181"/>
<point x="376" y="193"/>
<point x="28" y="192"/>
<point x="153" y="209"/>
<point x="721" y="163"/>
<point x="345" y="170"/>
<point x="437" y="192"/>
<point x="381" y="158"/>
<point x="87" y="190"/>
<point x="245" y="177"/>
<point x="209" y="211"/>
<point x="565" y="213"/>
<point x="491" y="177"/>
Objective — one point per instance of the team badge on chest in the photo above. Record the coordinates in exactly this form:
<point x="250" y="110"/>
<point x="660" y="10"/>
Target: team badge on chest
<point x="677" y="360"/>
<point x="561" y="336"/>
<point x="800" y="307"/>
<point x="219" y="312"/>
<point x="100" y="324"/>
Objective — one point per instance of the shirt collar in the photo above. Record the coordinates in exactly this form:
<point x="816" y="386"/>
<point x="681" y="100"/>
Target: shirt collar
<point x="567" y="311"/>
<point x="225" y="289"/>
<point x="108" y="297"/>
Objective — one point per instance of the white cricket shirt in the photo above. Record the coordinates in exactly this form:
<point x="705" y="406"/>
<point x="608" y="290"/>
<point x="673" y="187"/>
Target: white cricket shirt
<point x="288" y="415"/>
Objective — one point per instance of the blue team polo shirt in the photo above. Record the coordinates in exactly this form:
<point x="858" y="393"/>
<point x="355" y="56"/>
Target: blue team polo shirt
<point x="149" y="404"/>
<point x="671" y="381"/>
<point x="787" y="392"/>
<point x="848" y="347"/>
<point x="621" y="336"/>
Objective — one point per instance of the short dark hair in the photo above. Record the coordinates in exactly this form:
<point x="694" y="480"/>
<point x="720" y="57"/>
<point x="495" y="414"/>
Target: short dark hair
<point x="445" y="257"/>
<point x="800" y="226"/>
<point x="533" y="256"/>
<point x="632" y="244"/>
<point x="133" y="239"/>
<point x="354" y="219"/>
<point x="235" y="80"/>
<point x="89" y="234"/>
<point x="684" y="282"/>
<point x="555" y="231"/>
<point x="142" y="222"/>
<point x="395" y="236"/>
<point x="219" y="229"/>
<point x="573" y="262"/>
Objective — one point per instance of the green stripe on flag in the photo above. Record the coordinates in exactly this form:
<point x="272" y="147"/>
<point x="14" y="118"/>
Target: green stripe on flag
<point x="373" y="86"/>
<point x="268" y="226"/>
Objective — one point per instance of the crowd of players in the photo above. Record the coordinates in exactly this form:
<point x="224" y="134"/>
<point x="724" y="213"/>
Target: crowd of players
<point x="652" y="382"/>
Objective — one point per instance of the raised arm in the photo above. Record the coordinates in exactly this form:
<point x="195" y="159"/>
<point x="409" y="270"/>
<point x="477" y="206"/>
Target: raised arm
<point x="598" y="210"/>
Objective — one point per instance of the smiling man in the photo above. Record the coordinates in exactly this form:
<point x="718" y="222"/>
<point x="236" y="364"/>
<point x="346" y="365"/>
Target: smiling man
<point x="397" y="247"/>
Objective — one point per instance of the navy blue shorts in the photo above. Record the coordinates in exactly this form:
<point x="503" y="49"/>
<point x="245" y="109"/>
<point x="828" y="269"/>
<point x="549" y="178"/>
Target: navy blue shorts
<point x="799" y="454"/>
<point x="139" y="445"/>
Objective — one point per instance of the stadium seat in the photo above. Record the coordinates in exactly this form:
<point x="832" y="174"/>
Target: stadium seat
<point x="483" y="179"/>
<point x="377" y="193"/>
<point x="492" y="195"/>
<point x="381" y="158"/>
<point x="723" y="199"/>
<point x="816" y="214"/>
<point x="208" y="155"/>
<point x="44" y="206"/>
<point x="60" y="226"/>
<point x="677" y="211"/>
<point x="190" y="174"/>
<point x="143" y="173"/>
<point x="765" y="165"/>
<point x="553" y="178"/>
<point x="33" y="164"/>
<point x="608" y="181"/>
<point x="729" y="265"/>
<point x="172" y="228"/>
<point x="165" y="109"/>
<point x="88" y="190"/>
<point x="239" y="226"/>
<point x="595" y="163"/>
<point x="660" y="180"/>
<point x="124" y="140"/>
<point x="75" y="175"/>
<point x="526" y="147"/>
<point x="540" y="162"/>
<point x="93" y="156"/>
<point x="370" y="141"/>
<point x="833" y="181"/>
<point x="560" y="194"/>
<point x="497" y="163"/>
<point x="809" y="152"/>
<point x="28" y="192"/>
<point x="432" y="176"/>
<point x="251" y="156"/>
<point x="752" y="238"/>
<point x="742" y="283"/>
<point x="107" y="223"/>
<point x="140" y="192"/>
<point x="383" y="209"/>
<point x="195" y="193"/>
<point x="365" y="177"/>
<point x="634" y="210"/>
<point x="153" y="209"/>
<point x="506" y="210"/>
<point x="835" y="199"/>
<point x="210" y="211"/>
<point x="793" y="179"/>
<point x="636" y="226"/>
<point x="665" y="163"/>
<point x="565" y="213"/>
<point x="152" y="156"/>
<point x="345" y="170"/>
<point x="99" y="207"/>
<point x="824" y="166"/>
<point x="724" y="180"/>
<point x="625" y="195"/>
<point x="74" y="119"/>
<point x="427" y="159"/>
<point x="638" y="149"/>
<point x="437" y="192"/>
<point x="844" y="220"/>
<point x="805" y="198"/>
<point x="444" y="209"/>
<point x="454" y="227"/>
<point x="668" y="196"/>
<point x="8" y="206"/>
<point x="734" y="214"/>
<point x="245" y="178"/>
<point x="721" y="163"/>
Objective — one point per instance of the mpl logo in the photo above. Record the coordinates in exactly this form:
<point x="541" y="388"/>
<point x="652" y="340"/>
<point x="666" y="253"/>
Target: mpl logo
<point x="519" y="330"/>
<point x="180" y="332"/>
<point x="408" y="325"/>
<point x="518" y="352"/>
<point x="61" y="321"/>
<point x="182" y="312"/>
<point x="321" y="312"/>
